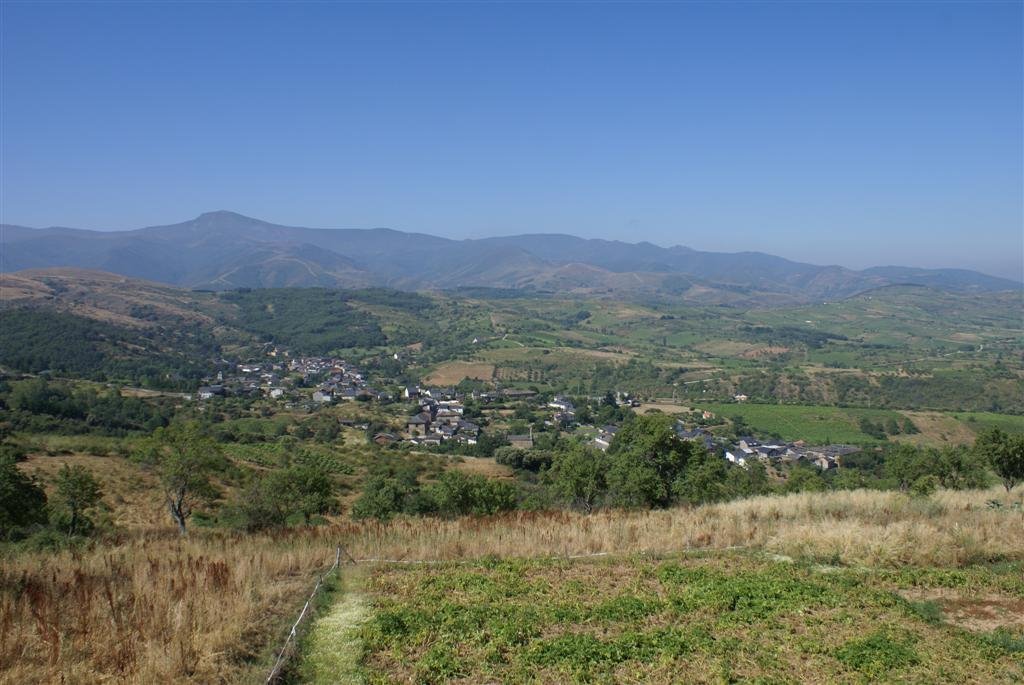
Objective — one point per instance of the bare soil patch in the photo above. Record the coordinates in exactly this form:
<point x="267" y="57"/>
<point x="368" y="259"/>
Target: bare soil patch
<point x="976" y="613"/>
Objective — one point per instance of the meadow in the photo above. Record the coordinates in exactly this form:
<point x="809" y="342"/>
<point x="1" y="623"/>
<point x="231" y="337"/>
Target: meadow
<point x="838" y="587"/>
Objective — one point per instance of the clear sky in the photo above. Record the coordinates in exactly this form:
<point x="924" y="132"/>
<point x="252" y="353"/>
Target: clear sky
<point x="853" y="133"/>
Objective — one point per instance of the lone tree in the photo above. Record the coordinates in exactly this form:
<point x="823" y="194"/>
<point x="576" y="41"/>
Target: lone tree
<point x="77" y="492"/>
<point x="1005" y="453"/>
<point x="185" y="461"/>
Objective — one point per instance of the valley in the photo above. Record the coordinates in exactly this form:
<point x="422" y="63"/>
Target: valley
<point x="814" y="458"/>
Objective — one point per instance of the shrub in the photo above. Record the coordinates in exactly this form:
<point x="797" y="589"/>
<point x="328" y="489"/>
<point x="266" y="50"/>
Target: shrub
<point x="459" y="494"/>
<point x="925" y="486"/>
<point x="878" y="653"/>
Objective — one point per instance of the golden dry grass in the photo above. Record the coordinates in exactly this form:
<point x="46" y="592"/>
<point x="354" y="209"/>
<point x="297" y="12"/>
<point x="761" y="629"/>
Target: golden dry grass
<point x="131" y="494"/>
<point x="937" y="430"/>
<point x="451" y="373"/>
<point x="856" y="527"/>
<point x="157" y="609"/>
<point x="483" y="466"/>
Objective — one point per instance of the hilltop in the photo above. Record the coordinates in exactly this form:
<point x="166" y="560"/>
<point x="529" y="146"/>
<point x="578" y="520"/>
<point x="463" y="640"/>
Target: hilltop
<point x="223" y="250"/>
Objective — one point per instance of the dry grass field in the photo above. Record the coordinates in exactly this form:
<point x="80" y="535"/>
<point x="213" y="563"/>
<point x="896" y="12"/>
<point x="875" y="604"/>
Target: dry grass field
<point x="860" y="527"/>
<point x="153" y="609"/>
<point x="451" y="373"/>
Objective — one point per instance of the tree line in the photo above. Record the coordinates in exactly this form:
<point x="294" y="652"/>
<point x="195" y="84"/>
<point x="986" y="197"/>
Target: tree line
<point x="646" y="466"/>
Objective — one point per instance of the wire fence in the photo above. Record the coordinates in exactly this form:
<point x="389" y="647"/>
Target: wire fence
<point x="293" y="635"/>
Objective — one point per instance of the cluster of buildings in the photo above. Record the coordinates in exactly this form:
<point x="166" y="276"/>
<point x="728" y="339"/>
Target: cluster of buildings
<point x="788" y="454"/>
<point x="440" y="418"/>
<point x="747" y="450"/>
<point x="565" y="412"/>
<point x="334" y="380"/>
<point x="339" y="380"/>
<point x="251" y="379"/>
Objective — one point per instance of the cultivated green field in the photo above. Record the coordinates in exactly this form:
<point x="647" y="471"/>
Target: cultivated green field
<point x="722" y="617"/>
<point x="814" y="424"/>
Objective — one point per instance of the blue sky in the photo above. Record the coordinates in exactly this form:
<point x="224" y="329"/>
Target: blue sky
<point x="851" y="133"/>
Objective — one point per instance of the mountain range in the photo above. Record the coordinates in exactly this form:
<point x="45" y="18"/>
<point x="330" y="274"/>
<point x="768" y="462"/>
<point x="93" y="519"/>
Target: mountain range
<point x="224" y="250"/>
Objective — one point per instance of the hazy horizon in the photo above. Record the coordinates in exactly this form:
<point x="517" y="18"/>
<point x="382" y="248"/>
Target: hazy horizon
<point x="1015" y="277"/>
<point x="852" y="134"/>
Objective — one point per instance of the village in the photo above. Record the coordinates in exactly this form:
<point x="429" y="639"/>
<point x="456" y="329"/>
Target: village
<point x="288" y="379"/>
<point x="439" y="416"/>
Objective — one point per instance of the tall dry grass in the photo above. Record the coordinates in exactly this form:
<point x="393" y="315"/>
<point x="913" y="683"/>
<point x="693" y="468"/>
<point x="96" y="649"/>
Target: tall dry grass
<point x="212" y="607"/>
<point x="856" y="527"/>
<point x="156" y="609"/>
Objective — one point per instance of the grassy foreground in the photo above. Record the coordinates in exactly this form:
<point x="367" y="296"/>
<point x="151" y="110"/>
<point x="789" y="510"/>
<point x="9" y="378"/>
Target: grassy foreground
<point x="150" y="607"/>
<point x="710" y="617"/>
<point x="839" y="587"/>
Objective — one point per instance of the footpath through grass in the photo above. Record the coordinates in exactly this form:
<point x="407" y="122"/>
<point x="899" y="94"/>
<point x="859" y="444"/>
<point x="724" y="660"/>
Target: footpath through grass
<point x="714" y="617"/>
<point x="332" y="650"/>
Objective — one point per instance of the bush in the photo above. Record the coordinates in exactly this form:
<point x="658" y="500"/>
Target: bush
<point x="300" y="492"/>
<point x="878" y="653"/>
<point x="459" y="494"/>
<point x="22" y="500"/>
<point x="925" y="486"/>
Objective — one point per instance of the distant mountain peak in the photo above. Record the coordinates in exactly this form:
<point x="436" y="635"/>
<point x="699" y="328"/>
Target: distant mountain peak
<point x="225" y="215"/>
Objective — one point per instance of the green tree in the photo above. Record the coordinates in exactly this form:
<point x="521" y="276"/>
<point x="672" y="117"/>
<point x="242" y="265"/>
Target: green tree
<point x="185" y="460"/>
<point x="1006" y="454"/>
<point x="577" y="477"/>
<point x="646" y="457"/>
<point x="906" y="463"/>
<point x="387" y="494"/>
<point x="804" y="479"/>
<point x="9" y="450"/>
<point x="310" y="491"/>
<point x="959" y="468"/>
<point x="749" y="480"/>
<point x="704" y="480"/>
<point x="77" y="491"/>
<point x="22" y="500"/>
<point x="459" y="494"/>
<point x="269" y="501"/>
